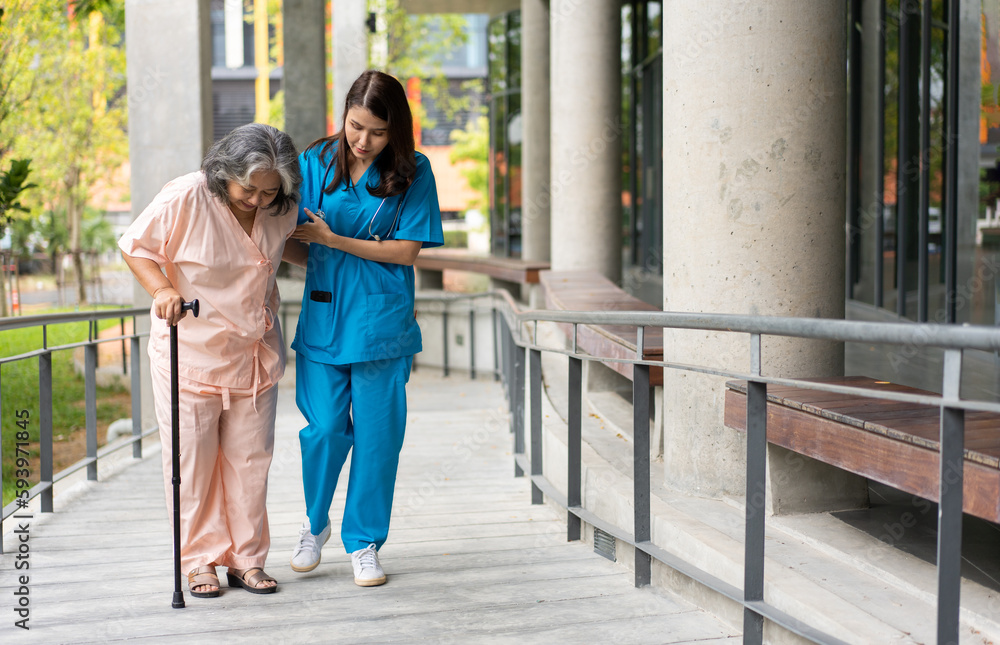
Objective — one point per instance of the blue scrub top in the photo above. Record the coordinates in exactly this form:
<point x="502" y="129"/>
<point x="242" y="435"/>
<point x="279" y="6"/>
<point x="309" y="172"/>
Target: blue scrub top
<point x="356" y="310"/>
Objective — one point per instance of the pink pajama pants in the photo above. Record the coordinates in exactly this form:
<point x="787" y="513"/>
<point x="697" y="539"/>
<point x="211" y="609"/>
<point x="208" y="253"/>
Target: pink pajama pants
<point x="225" y="448"/>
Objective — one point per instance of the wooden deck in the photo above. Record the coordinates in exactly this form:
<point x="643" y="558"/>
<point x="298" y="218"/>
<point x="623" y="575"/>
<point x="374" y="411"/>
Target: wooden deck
<point x="469" y="559"/>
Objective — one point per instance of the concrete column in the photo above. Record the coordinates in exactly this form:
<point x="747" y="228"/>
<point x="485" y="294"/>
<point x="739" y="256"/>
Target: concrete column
<point x="586" y="136"/>
<point x="305" y="70"/>
<point x="350" y="51"/>
<point x="754" y="153"/>
<point x="169" y="108"/>
<point x="968" y="279"/>
<point x="535" y="194"/>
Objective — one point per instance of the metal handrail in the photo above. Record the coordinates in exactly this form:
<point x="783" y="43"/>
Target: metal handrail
<point x="47" y="320"/>
<point x="513" y="323"/>
<point x="890" y="333"/>
<point x="513" y="347"/>
<point x="47" y="479"/>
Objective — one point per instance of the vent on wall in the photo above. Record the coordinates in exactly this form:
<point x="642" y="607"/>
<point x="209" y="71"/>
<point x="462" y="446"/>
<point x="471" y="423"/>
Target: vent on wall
<point x="604" y="544"/>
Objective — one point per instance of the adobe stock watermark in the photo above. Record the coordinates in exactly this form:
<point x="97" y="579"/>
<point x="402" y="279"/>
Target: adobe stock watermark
<point x="787" y="124"/>
<point x="700" y="39"/>
<point x="962" y="298"/>
<point x="869" y="215"/>
<point x="493" y="429"/>
<point x="147" y="87"/>
<point x="580" y="157"/>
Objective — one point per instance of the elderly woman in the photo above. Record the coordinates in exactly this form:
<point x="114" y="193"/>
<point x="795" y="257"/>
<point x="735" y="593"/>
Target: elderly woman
<point x="218" y="235"/>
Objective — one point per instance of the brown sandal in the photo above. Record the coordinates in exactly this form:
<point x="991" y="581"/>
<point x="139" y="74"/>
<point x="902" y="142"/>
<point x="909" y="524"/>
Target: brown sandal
<point x="241" y="578"/>
<point x="203" y="576"/>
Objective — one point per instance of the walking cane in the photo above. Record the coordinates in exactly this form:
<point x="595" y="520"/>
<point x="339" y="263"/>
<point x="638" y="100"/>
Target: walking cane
<point x="175" y="440"/>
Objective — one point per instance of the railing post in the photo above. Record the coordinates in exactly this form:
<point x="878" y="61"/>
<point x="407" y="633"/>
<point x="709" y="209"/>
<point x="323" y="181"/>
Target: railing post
<point x="949" y="536"/>
<point x="517" y="404"/>
<point x="472" y="340"/>
<point x="92" y="337"/>
<point x="640" y="461"/>
<point x="500" y="328"/>
<point x="136" y="379"/>
<point x="505" y="359"/>
<point x="45" y="427"/>
<point x="496" y="347"/>
<point x="444" y="337"/>
<point x="504" y="353"/>
<point x="511" y="360"/>
<point x="121" y="326"/>
<point x="574" y="446"/>
<point x="756" y="501"/>
<point x="1" y="464"/>
<point x="537" y="467"/>
<point x="90" y="390"/>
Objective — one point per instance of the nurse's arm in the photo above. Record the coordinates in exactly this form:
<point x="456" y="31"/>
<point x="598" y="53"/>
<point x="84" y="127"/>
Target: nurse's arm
<point x="166" y="300"/>
<point x="392" y="251"/>
<point x="316" y="231"/>
<point x="295" y="253"/>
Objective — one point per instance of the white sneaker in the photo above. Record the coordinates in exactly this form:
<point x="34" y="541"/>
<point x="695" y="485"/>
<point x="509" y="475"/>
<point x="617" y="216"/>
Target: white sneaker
<point x="367" y="571"/>
<point x="306" y="554"/>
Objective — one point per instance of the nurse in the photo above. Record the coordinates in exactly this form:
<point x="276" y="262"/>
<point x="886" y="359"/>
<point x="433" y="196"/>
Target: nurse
<point x="218" y="235"/>
<point x="369" y="204"/>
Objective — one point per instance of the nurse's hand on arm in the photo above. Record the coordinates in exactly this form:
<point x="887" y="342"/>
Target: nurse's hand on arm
<point x="317" y="231"/>
<point x="166" y="300"/>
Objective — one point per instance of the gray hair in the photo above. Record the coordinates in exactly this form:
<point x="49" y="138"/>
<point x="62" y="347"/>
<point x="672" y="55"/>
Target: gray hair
<point x="249" y="149"/>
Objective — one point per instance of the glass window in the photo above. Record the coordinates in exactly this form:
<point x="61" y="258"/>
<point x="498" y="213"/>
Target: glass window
<point x="505" y="133"/>
<point x="497" y="54"/>
<point x="986" y="261"/>
<point x="900" y="248"/>
<point x="218" y="21"/>
<point x="514" y="50"/>
<point x="514" y="146"/>
<point x="642" y="116"/>
<point x="498" y="175"/>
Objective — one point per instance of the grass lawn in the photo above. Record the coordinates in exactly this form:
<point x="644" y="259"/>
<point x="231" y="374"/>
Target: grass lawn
<point x="19" y="400"/>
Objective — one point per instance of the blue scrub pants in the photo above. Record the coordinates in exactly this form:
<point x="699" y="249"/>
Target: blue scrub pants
<point x="360" y="406"/>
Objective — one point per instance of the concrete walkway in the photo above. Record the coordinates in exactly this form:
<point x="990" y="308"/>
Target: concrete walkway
<point x="469" y="559"/>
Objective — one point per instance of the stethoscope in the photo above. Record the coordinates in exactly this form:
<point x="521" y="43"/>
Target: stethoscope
<point x="320" y="214"/>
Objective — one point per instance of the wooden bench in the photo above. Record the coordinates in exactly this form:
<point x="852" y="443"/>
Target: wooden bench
<point x="892" y="442"/>
<point x="432" y="263"/>
<point x="591" y="291"/>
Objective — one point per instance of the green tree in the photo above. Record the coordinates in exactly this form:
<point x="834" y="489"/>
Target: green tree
<point x="471" y="146"/>
<point x="21" y="27"/>
<point x="13" y="182"/>
<point x="73" y="125"/>
<point x="19" y="30"/>
<point x="414" y="46"/>
<point x="113" y="11"/>
<point x="276" y="110"/>
<point x="51" y="227"/>
<point x="98" y="235"/>
<point x="23" y="237"/>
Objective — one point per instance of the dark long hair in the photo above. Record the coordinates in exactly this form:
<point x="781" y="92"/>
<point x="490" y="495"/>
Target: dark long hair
<point x="384" y="97"/>
<point x="251" y="148"/>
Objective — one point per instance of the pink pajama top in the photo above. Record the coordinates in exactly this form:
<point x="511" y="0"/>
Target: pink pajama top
<point x="235" y="343"/>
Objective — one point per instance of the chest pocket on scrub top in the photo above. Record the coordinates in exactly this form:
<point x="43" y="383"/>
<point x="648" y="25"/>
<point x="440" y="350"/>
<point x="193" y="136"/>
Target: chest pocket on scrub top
<point x="387" y="316"/>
